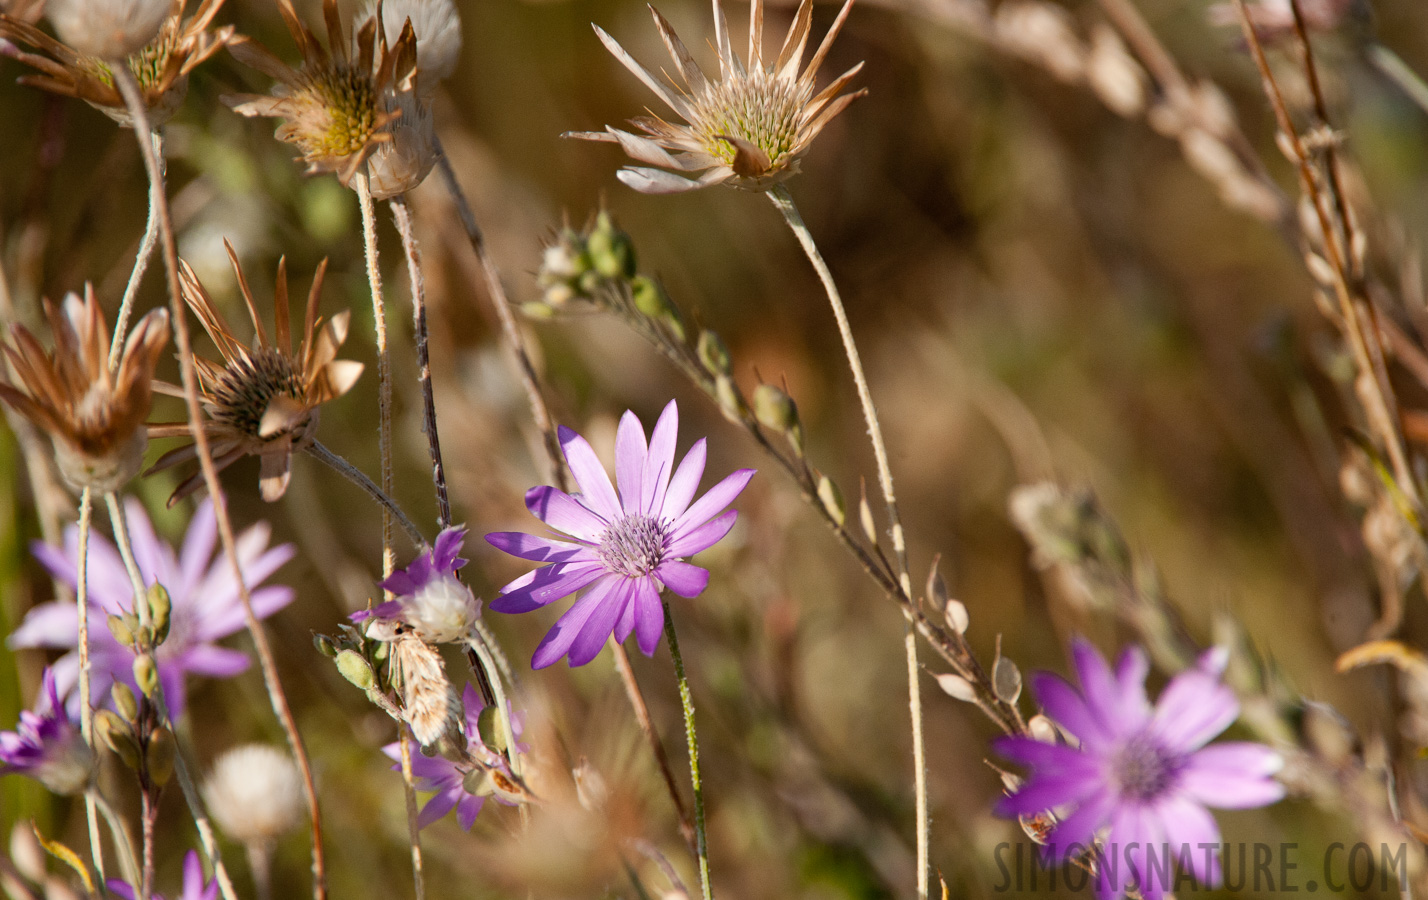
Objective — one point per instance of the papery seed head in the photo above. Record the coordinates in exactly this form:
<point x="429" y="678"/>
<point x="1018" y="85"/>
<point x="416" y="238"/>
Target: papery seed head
<point x="438" y="32"/>
<point x="254" y="793"/>
<point x="108" y="29"/>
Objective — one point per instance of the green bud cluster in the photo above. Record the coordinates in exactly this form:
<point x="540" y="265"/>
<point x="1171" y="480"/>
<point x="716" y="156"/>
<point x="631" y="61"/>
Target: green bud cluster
<point x="139" y="636"/>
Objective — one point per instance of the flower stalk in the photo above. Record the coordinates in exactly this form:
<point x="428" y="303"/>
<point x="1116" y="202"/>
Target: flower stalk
<point x="384" y="362"/>
<point x="783" y="202"/>
<point x="686" y="702"/>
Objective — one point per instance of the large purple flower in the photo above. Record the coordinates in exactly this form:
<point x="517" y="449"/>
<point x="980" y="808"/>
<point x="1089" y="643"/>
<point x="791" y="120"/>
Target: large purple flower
<point x="624" y="547"/>
<point x="47" y="745"/>
<point x="447" y="779"/>
<point x="429" y="596"/>
<point x="194" y="887"/>
<point x="1144" y="771"/>
<point x="206" y="604"/>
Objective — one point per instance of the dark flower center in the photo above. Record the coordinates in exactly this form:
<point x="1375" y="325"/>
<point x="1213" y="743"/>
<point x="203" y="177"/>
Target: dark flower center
<point x="633" y="546"/>
<point x="249" y="384"/>
<point x="1143" y="770"/>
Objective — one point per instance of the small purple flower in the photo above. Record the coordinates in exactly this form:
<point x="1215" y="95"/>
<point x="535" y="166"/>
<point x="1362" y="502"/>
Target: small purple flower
<point x="47" y="745"/>
<point x="447" y="779"/>
<point x="1144" y="771"/>
<point x="206" y="604"/>
<point x="430" y="598"/>
<point x="194" y="887"/>
<point x="625" y="548"/>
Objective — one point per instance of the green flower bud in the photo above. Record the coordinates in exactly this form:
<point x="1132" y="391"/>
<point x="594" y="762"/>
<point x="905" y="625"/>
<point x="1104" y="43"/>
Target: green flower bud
<point x="611" y="251"/>
<point x="117" y="736"/>
<point x="160" y="610"/>
<point x="714" y="354"/>
<point x="492" y="729"/>
<point x="160" y="755"/>
<point x="775" y="410"/>
<point x="355" y="669"/>
<point x="146" y="674"/>
<point x="124" y="701"/>
<point x="324" y="645"/>
<point x="727" y="393"/>
<point x="123" y="628"/>
<point x="832" y="500"/>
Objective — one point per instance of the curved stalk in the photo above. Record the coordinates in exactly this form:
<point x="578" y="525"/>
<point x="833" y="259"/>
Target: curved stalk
<point x="783" y="201"/>
<point x="141" y="261"/>
<point x="355" y="475"/>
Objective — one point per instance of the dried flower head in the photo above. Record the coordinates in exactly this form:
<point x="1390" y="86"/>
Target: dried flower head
<point x="108" y="29"/>
<point x="337" y="107"/>
<point x="254" y="793"/>
<point x="402" y="163"/>
<point x="47" y="745"/>
<point x="438" y="35"/>
<point x="161" y="67"/>
<point x="429" y="702"/>
<point x="95" y="418"/>
<point x="262" y="400"/>
<point x="749" y="128"/>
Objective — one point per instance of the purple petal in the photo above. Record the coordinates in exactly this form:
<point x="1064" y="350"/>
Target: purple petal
<point x="597" y="628"/>
<point x="211" y="661"/>
<point x="688" y="543"/>
<point x="685" y="482"/>
<point x="467" y="809"/>
<point x="590" y="475"/>
<point x="1053" y="757"/>
<point x="401" y="583"/>
<point x="446" y="555"/>
<point x="438" y="806"/>
<point x="219" y="622"/>
<point x="1131" y="670"/>
<point x="563" y="513"/>
<point x="1098" y="687"/>
<point x="192" y="876"/>
<point x="539" y="549"/>
<point x="1066" y="706"/>
<point x="649" y="615"/>
<point x="198" y="545"/>
<point x="154" y="558"/>
<point x="1187" y="827"/>
<point x="1193" y="709"/>
<point x="545" y="585"/>
<point x="684" y="579"/>
<point x="714" y="502"/>
<point x="557" y="641"/>
<point x="1046" y="790"/>
<point x="659" y="465"/>
<point x="1077" y="830"/>
<point x="1233" y="775"/>
<point x="50" y="625"/>
<point x="121" y="889"/>
<point x="630" y="454"/>
<point x="626" y="626"/>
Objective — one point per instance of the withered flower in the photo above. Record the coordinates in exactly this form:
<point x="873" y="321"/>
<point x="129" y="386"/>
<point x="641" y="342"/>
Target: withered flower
<point x="161" y="68"/>
<point x="336" y="107"/>
<point x="95" y="418"/>
<point x="749" y="128"/>
<point x="261" y="400"/>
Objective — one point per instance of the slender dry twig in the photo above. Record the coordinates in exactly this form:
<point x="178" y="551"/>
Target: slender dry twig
<point x="402" y="213"/>
<point x="141" y="264"/>
<point x="130" y="89"/>
<point x="409" y="796"/>
<point x="321" y="452"/>
<point x="384" y="362"/>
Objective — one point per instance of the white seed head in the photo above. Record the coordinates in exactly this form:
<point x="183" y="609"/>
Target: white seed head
<point x="402" y="163"/>
<point x="108" y="29"/>
<point x="438" y="34"/>
<point x="254" y="793"/>
<point x="442" y="611"/>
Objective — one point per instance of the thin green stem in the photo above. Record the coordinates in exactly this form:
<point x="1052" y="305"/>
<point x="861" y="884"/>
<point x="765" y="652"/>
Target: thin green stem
<point x="483" y="649"/>
<point x="86" y="705"/>
<point x="783" y="201"/>
<point x="141" y="262"/>
<point x="355" y="475"/>
<point x="686" y="701"/>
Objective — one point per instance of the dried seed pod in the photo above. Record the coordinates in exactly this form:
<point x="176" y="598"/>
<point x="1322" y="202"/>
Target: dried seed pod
<point x="832" y="500"/>
<point x="957" y="687"/>
<point x="124" y="702"/>
<point x="159" y="756"/>
<point x="1006" y="680"/>
<point x="146" y="674"/>
<point x="429" y="704"/>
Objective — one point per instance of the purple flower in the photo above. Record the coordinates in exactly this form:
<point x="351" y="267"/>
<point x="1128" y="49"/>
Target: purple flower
<point x="194" y="887"/>
<point x="206" y="605"/>
<point x="448" y="779"/>
<point x="1144" y="771"/>
<point x="430" y="598"/>
<point x="625" y="548"/>
<point x="47" y="745"/>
